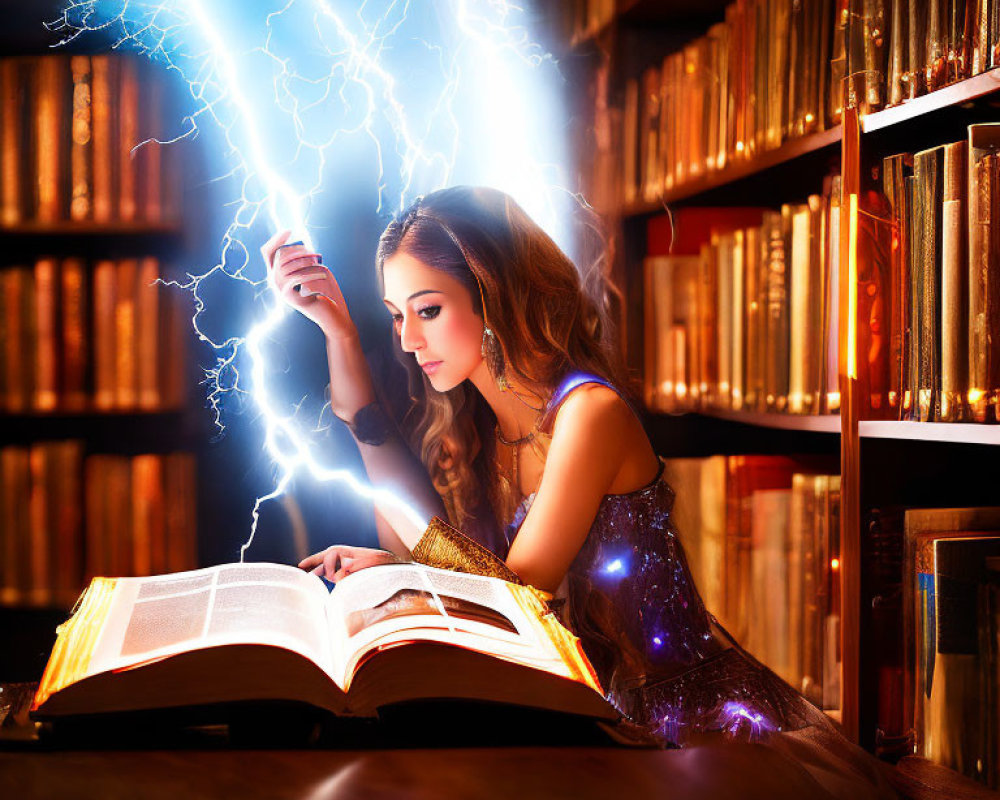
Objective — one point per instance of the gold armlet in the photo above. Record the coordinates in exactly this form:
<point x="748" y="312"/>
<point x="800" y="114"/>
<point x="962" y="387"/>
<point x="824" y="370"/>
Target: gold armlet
<point x="446" y="547"/>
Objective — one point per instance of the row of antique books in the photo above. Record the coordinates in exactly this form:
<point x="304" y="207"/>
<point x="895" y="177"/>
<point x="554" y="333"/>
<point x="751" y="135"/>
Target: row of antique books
<point x="768" y="73"/>
<point x="67" y="517"/>
<point x="929" y="284"/>
<point x="750" y="323"/>
<point x="83" y="337"/>
<point x="71" y="124"/>
<point x="762" y="538"/>
<point x="935" y="575"/>
<point x="931" y="43"/>
<point x="772" y="72"/>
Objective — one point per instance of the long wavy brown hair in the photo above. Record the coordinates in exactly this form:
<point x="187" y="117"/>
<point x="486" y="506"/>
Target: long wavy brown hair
<point x="548" y="316"/>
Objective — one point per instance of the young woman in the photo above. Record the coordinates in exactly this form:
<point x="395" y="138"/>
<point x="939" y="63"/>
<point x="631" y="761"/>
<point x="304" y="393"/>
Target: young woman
<point x="527" y="441"/>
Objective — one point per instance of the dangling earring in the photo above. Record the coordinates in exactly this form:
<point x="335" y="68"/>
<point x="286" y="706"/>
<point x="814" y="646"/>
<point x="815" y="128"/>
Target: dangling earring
<point x="493" y="355"/>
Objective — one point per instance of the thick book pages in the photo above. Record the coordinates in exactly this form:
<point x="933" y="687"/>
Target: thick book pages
<point x="984" y="272"/>
<point x="254" y="632"/>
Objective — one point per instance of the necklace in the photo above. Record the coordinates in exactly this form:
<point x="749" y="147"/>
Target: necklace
<point x="515" y="456"/>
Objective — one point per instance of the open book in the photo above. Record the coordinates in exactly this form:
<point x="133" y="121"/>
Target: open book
<point x="248" y="632"/>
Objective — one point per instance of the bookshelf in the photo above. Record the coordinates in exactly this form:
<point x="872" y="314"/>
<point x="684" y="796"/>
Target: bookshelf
<point x="59" y="451"/>
<point x="884" y="463"/>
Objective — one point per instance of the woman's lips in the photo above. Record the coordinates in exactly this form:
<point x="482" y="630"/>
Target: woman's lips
<point x="430" y="367"/>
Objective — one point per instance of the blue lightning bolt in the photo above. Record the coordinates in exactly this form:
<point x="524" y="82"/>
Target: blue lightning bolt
<point x="330" y="75"/>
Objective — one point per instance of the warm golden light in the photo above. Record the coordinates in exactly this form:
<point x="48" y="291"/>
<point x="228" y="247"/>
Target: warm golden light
<point x="834" y="564"/>
<point x="852" y="288"/>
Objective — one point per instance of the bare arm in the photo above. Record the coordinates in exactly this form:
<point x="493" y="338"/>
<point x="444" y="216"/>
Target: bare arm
<point x="310" y="288"/>
<point x="390" y="465"/>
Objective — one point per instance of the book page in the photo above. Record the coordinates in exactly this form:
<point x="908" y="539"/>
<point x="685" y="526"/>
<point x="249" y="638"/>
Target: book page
<point x="255" y="603"/>
<point x="406" y="602"/>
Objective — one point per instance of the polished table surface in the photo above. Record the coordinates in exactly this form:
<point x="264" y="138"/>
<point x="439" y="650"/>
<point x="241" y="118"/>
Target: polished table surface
<point x="407" y="756"/>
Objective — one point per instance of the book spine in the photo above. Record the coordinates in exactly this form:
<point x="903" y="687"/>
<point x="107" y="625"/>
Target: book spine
<point x="44" y="296"/>
<point x="81" y="166"/>
<point x="74" y="334"/>
<point x="103" y="81"/>
<point x="49" y="122"/>
<point x="128" y="138"/>
<point x="148" y="338"/>
<point x="105" y="349"/>
<point x="12" y="98"/>
<point x="954" y="288"/>
<point x="126" y="278"/>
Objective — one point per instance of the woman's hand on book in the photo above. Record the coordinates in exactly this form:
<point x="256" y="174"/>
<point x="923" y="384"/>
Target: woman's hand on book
<point x="340" y="560"/>
<point x="307" y="286"/>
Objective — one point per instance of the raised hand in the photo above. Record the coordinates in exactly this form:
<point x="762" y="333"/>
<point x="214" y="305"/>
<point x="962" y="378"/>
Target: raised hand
<point x="307" y="286"/>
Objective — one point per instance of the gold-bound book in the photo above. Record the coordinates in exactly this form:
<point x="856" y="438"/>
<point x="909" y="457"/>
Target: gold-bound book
<point x="895" y="170"/>
<point x="984" y="272"/>
<point x="238" y="633"/>
<point x="954" y="276"/>
<point x="928" y="168"/>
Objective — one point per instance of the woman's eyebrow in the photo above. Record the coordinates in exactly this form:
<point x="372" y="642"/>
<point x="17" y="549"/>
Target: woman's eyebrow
<point x="415" y="294"/>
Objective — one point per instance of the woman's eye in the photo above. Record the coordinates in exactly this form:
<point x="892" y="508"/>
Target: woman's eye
<point x="429" y="312"/>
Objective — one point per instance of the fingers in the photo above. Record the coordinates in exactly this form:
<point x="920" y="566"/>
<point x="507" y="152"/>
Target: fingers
<point x="268" y="249"/>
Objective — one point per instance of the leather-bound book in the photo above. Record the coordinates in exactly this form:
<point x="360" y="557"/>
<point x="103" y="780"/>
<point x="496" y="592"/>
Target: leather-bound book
<point x="13" y="99"/>
<point x="922" y="528"/>
<point x="936" y="66"/>
<point x="67" y="521"/>
<point x="895" y="170"/>
<point x="15" y="484"/>
<point x="831" y="297"/>
<point x="81" y="203"/>
<point x="128" y="138"/>
<point x="41" y="551"/>
<point x="721" y="36"/>
<point x="148" y="341"/>
<point x="984" y="272"/>
<point x="75" y="334"/>
<point x="650" y="185"/>
<point x="838" y="62"/>
<point x="45" y="296"/>
<point x="753" y="337"/>
<point x="723" y="245"/>
<point x="104" y="336"/>
<point x="630" y="142"/>
<point x="954" y="283"/>
<point x="148" y="512"/>
<point x="181" y="513"/>
<point x="149" y="157"/>
<point x="794" y="77"/>
<point x="873" y="292"/>
<point x="50" y="139"/>
<point x="706" y="389"/>
<point x="778" y="231"/>
<point x="18" y="322"/>
<point x="956" y="721"/>
<point x="103" y="90"/>
<point x="928" y="173"/>
<point x="897" y="85"/>
<point x="126" y="330"/>
<point x="737" y="338"/>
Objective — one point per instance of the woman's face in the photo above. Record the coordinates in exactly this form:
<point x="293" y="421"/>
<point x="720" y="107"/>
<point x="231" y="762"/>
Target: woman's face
<point x="433" y="316"/>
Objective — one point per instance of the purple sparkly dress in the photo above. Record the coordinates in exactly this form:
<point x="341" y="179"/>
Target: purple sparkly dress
<point x="665" y="663"/>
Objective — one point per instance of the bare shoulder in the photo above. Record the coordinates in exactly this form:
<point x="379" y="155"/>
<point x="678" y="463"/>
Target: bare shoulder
<point x="590" y="405"/>
<point x="599" y="414"/>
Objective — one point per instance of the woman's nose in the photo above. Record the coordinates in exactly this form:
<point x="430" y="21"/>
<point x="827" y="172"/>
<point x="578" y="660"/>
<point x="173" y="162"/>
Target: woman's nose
<point x="410" y="338"/>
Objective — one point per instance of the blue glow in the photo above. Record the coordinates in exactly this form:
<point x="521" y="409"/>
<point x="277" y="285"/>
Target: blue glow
<point x="432" y="94"/>
<point x="614" y="566"/>
<point x="735" y="712"/>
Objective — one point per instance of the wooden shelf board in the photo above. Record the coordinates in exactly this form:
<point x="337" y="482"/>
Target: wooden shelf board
<point x="916" y="778"/>
<point x="958" y="432"/>
<point x="961" y="92"/>
<point x="817" y="423"/>
<point x="711" y="180"/>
